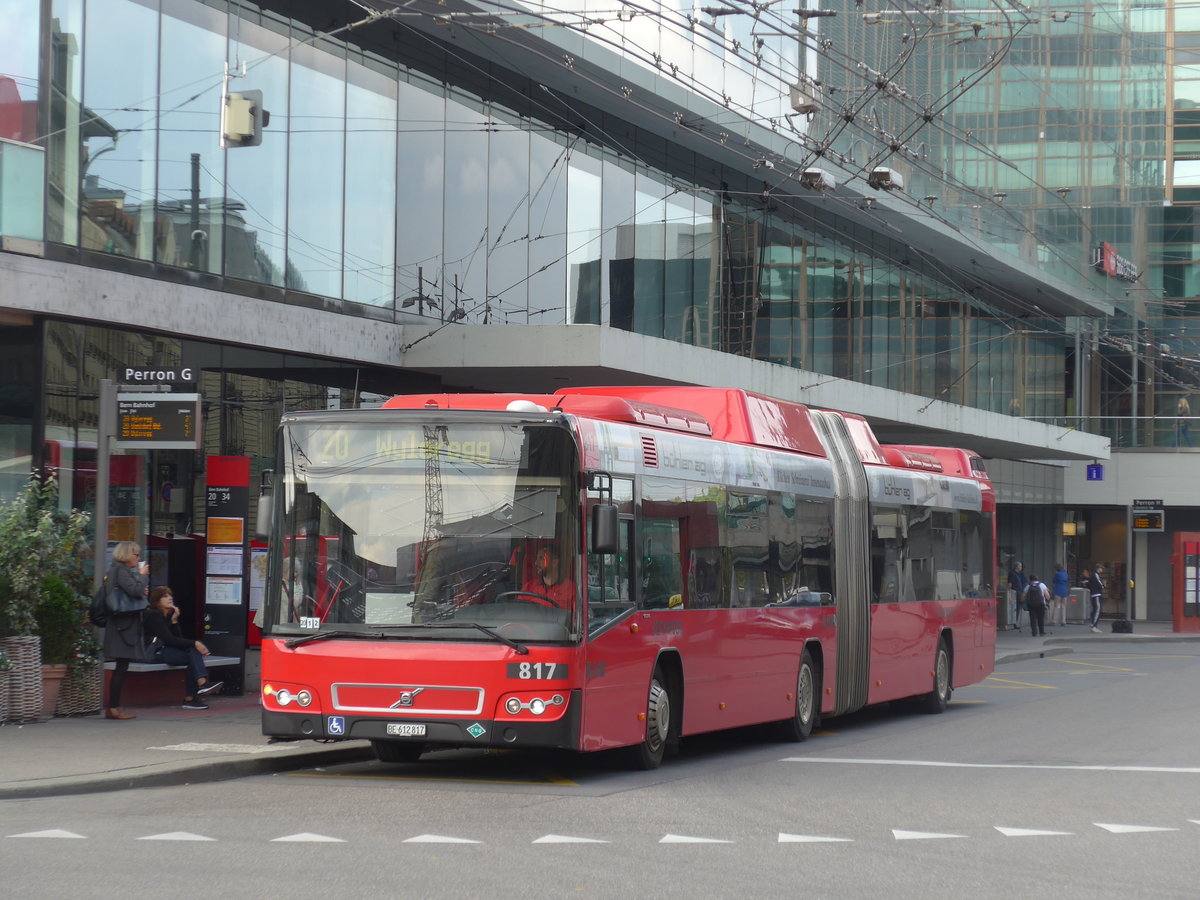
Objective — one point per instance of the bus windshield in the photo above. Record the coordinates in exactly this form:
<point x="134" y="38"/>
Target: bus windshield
<point x="414" y="530"/>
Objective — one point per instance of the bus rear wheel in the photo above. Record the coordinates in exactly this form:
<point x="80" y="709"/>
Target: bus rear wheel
<point x="397" y="751"/>
<point x="649" y="753"/>
<point x="808" y="699"/>
<point x="938" y="699"/>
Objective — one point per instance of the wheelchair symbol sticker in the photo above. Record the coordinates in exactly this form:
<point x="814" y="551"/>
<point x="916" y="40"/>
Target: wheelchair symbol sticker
<point x="336" y="725"/>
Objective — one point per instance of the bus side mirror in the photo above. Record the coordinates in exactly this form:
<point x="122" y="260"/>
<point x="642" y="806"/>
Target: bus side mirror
<point x="604" y="528"/>
<point x="262" y="518"/>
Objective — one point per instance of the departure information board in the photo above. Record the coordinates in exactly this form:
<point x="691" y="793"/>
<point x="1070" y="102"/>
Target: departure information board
<point x="158" y="421"/>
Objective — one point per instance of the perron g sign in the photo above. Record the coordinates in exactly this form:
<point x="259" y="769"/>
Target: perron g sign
<point x="158" y="421"/>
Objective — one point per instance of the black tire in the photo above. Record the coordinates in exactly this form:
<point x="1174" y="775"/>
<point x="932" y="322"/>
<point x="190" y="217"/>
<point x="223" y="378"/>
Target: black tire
<point x="649" y="753"/>
<point x="397" y="751"/>
<point x="808" y="703"/>
<point x="936" y="701"/>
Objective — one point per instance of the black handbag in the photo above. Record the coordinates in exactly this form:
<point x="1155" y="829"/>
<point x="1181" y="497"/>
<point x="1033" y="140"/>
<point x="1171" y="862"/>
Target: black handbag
<point x="120" y="602"/>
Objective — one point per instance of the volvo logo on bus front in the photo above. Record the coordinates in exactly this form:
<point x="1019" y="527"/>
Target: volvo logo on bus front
<point x="406" y="698"/>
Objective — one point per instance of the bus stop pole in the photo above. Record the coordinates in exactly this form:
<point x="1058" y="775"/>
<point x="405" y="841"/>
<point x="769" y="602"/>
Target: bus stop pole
<point x="106" y="425"/>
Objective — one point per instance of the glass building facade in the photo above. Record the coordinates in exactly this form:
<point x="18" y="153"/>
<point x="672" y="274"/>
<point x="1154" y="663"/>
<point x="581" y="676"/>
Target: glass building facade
<point x="392" y="191"/>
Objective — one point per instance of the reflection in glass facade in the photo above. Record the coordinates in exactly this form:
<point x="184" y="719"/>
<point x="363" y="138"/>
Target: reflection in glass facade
<point x="381" y="190"/>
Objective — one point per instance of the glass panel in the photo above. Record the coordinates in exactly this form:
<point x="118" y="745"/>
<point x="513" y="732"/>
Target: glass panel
<point x="256" y="206"/>
<point x="191" y="164"/>
<point x="64" y="143"/>
<point x="508" y="223"/>
<point x="616" y="263"/>
<point x="120" y="91"/>
<point x="421" y="166"/>
<point x="370" y="187"/>
<point x="649" y="265"/>
<point x="22" y="174"/>
<point x="547" y="231"/>
<point x="583" y="238"/>
<point x="315" y="167"/>
<point x="464" y="269"/>
<point x="18" y="71"/>
<point x="20" y="377"/>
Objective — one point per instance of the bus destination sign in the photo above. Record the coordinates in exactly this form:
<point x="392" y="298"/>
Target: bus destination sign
<point x="158" y="421"/>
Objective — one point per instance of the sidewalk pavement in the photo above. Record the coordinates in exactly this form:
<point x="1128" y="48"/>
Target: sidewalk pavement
<point x="173" y="746"/>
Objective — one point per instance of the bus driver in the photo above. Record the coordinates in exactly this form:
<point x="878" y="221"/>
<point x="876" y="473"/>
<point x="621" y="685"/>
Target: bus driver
<point x="548" y="581"/>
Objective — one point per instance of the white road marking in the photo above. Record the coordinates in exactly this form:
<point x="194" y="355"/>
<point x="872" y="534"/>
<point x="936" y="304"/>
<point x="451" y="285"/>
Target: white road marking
<point x="1027" y="832"/>
<point x="176" y="836"/>
<point x="437" y="839"/>
<point x="684" y="839"/>
<point x="307" y="837"/>
<point x="785" y="838"/>
<point x="1170" y="770"/>
<point x="194" y="747"/>
<point x="51" y="833"/>
<point x="922" y="835"/>
<point x="1130" y="829"/>
<point x="567" y="839"/>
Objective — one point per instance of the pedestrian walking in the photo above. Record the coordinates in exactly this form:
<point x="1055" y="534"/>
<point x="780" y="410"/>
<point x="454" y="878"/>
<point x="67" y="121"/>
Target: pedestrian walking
<point x="1060" y="590"/>
<point x="1183" y="411"/>
<point x="1037" y="598"/>
<point x="1017" y="582"/>
<point x="1093" y="580"/>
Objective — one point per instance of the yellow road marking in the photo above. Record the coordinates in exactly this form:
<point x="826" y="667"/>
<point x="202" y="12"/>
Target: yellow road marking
<point x="1076" y="662"/>
<point x="1006" y="684"/>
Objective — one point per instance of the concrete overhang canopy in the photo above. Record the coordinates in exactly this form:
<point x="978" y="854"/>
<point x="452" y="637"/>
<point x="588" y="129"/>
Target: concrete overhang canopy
<point x="544" y="358"/>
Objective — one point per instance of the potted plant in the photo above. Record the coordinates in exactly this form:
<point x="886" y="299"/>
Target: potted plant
<point x="59" y="621"/>
<point x="37" y="540"/>
<point x="5" y="668"/>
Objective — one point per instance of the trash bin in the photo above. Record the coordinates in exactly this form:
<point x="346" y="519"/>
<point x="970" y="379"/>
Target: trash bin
<point x="1079" y="608"/>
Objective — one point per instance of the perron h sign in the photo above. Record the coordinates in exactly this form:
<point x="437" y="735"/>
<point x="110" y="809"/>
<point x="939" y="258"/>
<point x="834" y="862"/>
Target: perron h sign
<point x="158" y="421"/>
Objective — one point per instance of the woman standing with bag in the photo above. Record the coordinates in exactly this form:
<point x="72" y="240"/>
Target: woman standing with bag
<point x="129" y="583"/>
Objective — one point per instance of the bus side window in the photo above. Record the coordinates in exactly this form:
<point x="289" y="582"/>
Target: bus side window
<point x="661" y="574"/>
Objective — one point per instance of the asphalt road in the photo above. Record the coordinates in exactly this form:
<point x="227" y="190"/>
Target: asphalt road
<point x="1065" y="777"/>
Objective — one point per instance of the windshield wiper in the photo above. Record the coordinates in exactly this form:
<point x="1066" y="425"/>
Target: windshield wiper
<point x="326" y="635"/>
<point x="490" y="632"/>
<point x="380" y="635"/>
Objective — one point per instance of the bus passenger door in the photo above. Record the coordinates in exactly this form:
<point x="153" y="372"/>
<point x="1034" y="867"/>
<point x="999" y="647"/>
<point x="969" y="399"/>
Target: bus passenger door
<point x="616" y="673"/>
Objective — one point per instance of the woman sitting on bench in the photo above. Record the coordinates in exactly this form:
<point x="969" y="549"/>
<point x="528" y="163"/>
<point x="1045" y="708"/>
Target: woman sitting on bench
<point x="162" y="623"/>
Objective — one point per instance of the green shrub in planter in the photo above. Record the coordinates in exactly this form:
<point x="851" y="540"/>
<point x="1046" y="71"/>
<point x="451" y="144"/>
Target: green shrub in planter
<point x="37" y="540"/>
<point x="58" y="621"/>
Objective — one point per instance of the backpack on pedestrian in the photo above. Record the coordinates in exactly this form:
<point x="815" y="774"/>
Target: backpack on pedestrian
<point x="1034" y="598"/>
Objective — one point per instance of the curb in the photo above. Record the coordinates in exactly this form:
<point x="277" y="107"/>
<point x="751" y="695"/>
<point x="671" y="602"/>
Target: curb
<point x="174" y="774"/>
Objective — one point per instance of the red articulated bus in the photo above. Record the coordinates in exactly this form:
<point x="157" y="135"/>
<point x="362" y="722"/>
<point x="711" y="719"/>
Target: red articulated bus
<point x="617" y="567"/>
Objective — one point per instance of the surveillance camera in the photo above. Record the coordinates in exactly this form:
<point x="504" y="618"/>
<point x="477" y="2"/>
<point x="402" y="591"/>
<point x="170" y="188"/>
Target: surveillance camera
<point x="199" y="235"/>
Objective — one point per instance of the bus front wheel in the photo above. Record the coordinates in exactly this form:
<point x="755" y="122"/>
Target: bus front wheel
<point x="649" y="753"/>
<point x="938" y="699"/>
<point x="808" y="699"/>
<point x="397" y="751"/>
